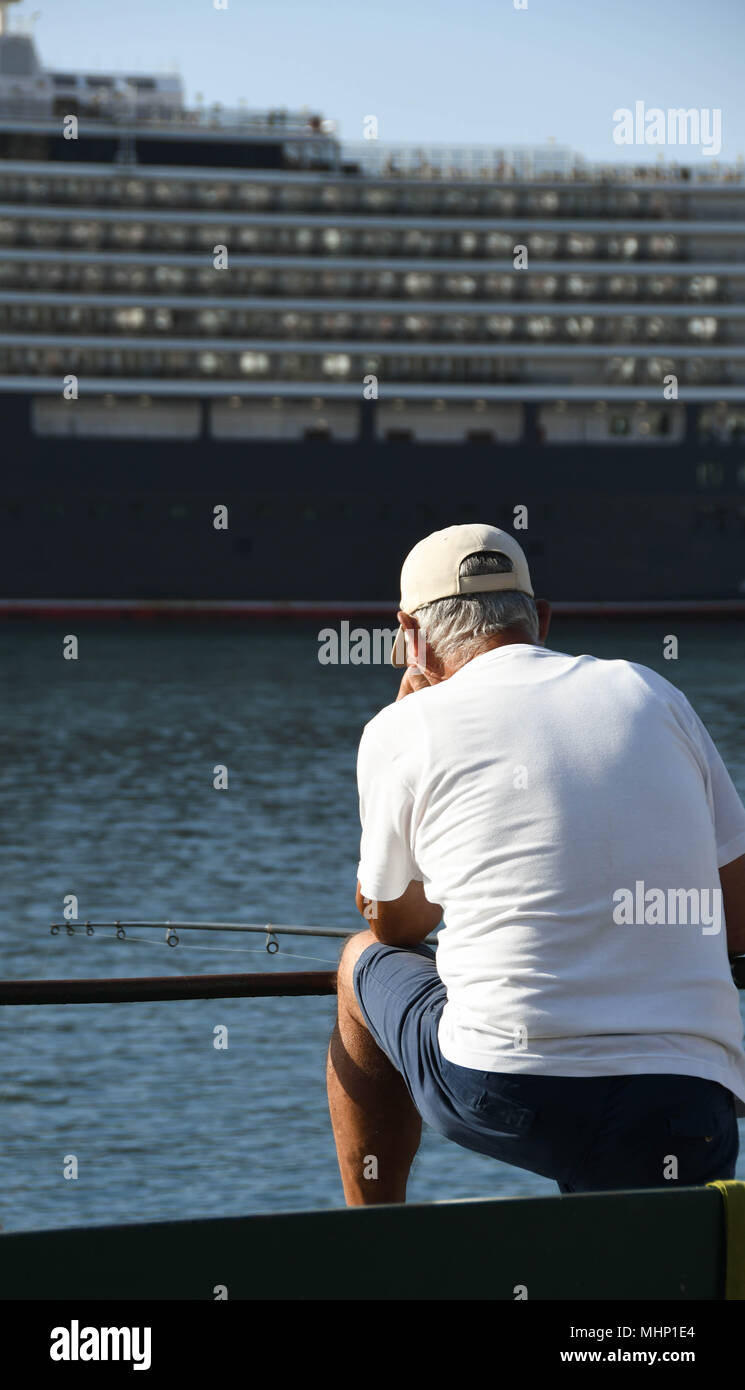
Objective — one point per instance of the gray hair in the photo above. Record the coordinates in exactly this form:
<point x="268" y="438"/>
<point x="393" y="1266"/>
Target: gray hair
<point x="458" y="626"/>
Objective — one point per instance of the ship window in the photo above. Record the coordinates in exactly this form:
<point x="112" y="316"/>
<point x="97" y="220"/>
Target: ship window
<point x="581" y="285"/>
<point x="128" y="234"/>
<point x="499" y="244"/>
<point x="170" y="234"/>
<point x="540" y="326"/>
<point x="580" y="327"/>
<point x="500" y="325"/>
<point x="169" y="277"/>
<point x="209" y="362"/>
<point x="709" y="474"/>
<point x="107" y="418"/>
<point x="43" y="233"/>
<point x="542" y="286"/>
<point x="132" y="317"/>
<point x="621" y="369"/>
<point x="84" y="232"/>
<point x="293" y="197"/>
<point x="543" y="246"/>
<point x="702" y="286"/>
<point x="581" y="244"/>
<point x="657" y="327"/>
<point x="63" y="79"/>
<point x="333" y="239"/>
<point x="661" y="286"/>
<point x="623" y="247"/>
<point x="92" y="276"/>
<point x="337" y="364"/>
<point x="663" y="246"/>
<point x="253" y="362"/>
<point x="499" y="286"/>
<point x="468" y="243"/>
<point x="163" y="192"/>
<point x="703" y="327"/>
<point x="378" y="198"/>
<point x="544" y="202"/>
<point x="99" y="81"/>
<point x="626" y="285"/>
<point x="721" y="424"/>
<point x="255" y="195"/>
<point x="460" y="284"/>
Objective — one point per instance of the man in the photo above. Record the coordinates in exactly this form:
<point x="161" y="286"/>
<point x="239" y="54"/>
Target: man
<point x="571" y="822"/>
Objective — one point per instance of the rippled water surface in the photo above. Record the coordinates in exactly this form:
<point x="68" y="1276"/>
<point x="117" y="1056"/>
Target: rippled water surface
<point x="106" y="767"/>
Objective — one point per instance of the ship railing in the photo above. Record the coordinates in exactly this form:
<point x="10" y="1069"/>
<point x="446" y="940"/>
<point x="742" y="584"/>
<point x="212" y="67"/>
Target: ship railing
<point x="550" y="163"/>
<point x="279" y="122"/>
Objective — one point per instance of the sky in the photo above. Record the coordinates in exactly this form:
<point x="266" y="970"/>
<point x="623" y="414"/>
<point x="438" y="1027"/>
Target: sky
<point x="431" y="71"/>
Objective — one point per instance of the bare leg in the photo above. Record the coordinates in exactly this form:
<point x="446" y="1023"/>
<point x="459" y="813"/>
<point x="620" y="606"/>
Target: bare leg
<point x="376" y="1125"/>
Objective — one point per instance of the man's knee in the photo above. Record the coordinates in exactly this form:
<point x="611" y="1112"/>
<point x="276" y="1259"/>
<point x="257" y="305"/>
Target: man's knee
<point x="351" y="952"/>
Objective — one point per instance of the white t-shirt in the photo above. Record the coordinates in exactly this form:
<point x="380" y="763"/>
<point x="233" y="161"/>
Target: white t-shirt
<point x="541" y="798"/>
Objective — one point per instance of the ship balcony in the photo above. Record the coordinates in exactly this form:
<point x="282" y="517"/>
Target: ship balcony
<point x="43" y="182"/>
<point x="168" y="273"/>
<point x="298" y="320"/>
<point x="419" y="238"/>
<point x="351" y="367"/>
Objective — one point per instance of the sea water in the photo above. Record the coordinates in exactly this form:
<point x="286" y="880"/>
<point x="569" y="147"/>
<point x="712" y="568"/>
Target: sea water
<point x="107" y="766"/>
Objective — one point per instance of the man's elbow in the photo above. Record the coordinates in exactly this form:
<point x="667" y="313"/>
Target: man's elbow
<point x="732" y="879"/>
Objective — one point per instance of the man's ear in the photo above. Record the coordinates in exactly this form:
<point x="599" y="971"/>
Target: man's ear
<point x="543" y="609"/>
<point x="418" y="651"/>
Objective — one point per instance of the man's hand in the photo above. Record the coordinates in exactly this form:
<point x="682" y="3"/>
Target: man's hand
<point x="413" y="679"/>
<point x="423" y="666"/>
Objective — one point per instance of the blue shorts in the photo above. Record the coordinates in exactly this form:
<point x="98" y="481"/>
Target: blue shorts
<point x="588" y="1133"/>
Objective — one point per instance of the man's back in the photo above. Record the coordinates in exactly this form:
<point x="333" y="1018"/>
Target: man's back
<point x="570" y="815"/>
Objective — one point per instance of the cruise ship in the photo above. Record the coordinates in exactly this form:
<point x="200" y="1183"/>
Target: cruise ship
<point x="244" y="365"/>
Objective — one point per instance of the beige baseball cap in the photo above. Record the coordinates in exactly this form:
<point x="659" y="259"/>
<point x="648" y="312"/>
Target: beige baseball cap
<point x="431" y="571"/>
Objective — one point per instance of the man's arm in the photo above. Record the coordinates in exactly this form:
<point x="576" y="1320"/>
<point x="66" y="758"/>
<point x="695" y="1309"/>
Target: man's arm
<point x="403" y="922"/>
<point x="732" y="879"/>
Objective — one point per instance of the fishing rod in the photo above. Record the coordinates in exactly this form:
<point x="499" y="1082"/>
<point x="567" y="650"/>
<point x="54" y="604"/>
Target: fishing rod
<point x="158" y="988"/>
<point x="270" y="929"/>
<point x="121" y="990"/>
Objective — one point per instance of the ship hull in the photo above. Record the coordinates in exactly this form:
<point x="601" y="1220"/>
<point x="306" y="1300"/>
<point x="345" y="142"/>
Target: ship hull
<point x="320" y="521"/>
